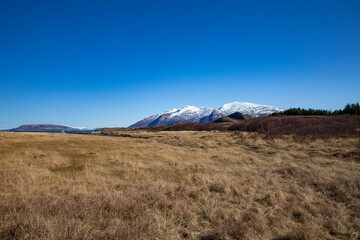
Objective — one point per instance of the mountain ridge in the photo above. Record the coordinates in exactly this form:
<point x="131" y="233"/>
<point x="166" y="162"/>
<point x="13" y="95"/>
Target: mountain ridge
<point x="204" y="114"/>
<point x="45" y="127"/>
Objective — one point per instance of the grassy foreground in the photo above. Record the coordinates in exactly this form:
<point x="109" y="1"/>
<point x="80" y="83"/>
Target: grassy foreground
<point x="178" y="185"/>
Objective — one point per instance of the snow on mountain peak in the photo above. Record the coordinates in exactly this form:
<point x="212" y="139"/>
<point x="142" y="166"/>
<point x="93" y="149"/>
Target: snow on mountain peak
<point x="172" y="111"/>
<point x="237" y="105"/>
<point x="252" y="109"/>
<point x="188" y="107"/>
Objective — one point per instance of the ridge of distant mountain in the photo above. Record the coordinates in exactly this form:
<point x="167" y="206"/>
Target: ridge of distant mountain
<point x="45" y="128"/>
<point x="204" y="114"/>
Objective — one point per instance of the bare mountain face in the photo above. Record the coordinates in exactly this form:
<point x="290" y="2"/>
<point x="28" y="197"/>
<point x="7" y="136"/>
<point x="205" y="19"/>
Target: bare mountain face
<point x="234" y="117"/>
<point x="45" y="128"/>
<point x="204" y="114"/>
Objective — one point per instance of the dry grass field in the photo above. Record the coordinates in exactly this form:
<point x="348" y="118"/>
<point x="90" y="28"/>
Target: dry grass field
<point x="178" y="185"/>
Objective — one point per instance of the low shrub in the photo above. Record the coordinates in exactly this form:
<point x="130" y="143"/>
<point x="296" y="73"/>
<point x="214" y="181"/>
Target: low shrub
<point x="190" y="127"/>
<point x="274" y="126"/>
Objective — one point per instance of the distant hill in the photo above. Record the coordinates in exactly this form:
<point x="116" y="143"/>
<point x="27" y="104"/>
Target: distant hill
<point x="235" y="117"/>
<point x="45" y="128"/>
<point x="194" y="114"/>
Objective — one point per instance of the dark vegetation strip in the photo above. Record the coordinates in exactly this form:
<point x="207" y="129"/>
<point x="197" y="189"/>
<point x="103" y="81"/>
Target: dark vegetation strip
<point x="329" y="126"/>
<point x="274" y="126"/>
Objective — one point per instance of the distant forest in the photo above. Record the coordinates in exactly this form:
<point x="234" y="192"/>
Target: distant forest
<point x="353" y="109"/>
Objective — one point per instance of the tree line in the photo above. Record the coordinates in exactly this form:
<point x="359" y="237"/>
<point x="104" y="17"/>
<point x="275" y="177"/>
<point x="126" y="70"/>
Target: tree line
<point x="353" y="109"/>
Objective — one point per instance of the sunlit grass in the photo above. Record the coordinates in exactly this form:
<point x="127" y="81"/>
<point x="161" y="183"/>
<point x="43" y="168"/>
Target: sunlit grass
<point x="176" y="185"/>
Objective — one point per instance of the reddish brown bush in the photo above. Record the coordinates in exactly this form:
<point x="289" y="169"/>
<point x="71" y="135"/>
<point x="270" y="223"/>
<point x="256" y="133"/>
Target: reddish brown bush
<point x="190" y="127"/>
<point x="301" y="126"/>
<point x="274" y="126"/>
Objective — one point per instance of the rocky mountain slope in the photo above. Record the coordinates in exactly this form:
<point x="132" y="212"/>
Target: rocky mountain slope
<point x="204" y="114"/>
<point x="234" y="117"/>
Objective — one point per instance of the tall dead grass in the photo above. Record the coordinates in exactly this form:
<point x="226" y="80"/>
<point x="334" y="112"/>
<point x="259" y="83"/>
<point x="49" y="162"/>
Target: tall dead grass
<point x="178" y="185"/>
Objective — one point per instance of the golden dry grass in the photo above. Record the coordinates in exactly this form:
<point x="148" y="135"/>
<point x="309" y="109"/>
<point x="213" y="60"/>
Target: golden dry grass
<point x="199" y="185"/>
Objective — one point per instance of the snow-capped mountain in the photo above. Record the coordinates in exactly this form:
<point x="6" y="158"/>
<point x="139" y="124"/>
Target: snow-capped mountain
<point x="204" y="114"/>
<point x="175" y="116"/>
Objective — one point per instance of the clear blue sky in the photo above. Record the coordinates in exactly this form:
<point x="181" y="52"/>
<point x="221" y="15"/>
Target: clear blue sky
<point x="111" y="63"/>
